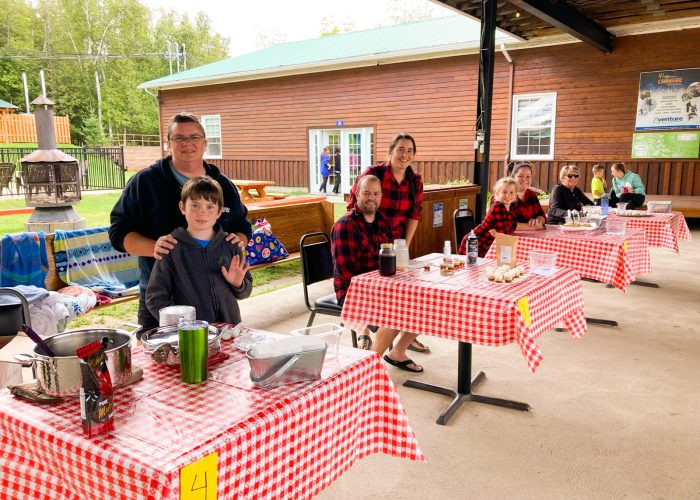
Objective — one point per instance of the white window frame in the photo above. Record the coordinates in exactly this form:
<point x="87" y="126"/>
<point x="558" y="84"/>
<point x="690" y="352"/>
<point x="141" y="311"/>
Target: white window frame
<point x="514" y="127"/>
<point x="212" y="138"/>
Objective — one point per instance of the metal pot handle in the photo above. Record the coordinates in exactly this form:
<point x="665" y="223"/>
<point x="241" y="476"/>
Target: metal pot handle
<point x="137" y="328"/>
<point x="27" y="361"/>
<point x="268" y="380"/>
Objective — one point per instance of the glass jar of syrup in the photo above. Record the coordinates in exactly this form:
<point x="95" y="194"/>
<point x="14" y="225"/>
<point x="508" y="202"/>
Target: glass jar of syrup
<point x="387" y="260"/>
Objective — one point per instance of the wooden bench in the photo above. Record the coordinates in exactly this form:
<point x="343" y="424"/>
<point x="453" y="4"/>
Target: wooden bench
<point x="289" y="222"/>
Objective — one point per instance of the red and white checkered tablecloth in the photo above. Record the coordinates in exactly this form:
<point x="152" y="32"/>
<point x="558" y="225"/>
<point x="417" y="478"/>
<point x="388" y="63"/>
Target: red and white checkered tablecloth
<point x="611" y="258"/>
<point x="467" y="306"/>
<point x="287" y="442"/>
<point x="662" y="230"/>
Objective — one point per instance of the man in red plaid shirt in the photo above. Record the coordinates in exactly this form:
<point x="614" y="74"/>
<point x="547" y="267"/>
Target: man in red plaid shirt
<point x="356" y="238"/>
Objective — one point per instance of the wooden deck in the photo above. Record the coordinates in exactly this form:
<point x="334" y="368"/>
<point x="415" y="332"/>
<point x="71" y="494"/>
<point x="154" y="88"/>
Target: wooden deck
<point x="688" y="205"/>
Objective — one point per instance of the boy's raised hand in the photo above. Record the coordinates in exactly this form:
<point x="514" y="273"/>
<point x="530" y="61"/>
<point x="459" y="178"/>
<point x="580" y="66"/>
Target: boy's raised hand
<point x="235" y="274"/>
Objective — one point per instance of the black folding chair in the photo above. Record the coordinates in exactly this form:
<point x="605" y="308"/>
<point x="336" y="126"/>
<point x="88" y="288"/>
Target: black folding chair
<point x="464" y="222"/>
<point x="13" y="316"/>
<point x="316" y="266"/>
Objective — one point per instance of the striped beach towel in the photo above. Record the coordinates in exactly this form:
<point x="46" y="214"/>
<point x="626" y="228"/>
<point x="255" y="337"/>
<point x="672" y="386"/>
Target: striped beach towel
<point x="23" y="259"/>
<point x="86" y="257"/>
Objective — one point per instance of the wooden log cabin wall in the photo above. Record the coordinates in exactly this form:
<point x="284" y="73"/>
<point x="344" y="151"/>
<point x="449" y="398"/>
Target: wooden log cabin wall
<point x="265" y="123"/>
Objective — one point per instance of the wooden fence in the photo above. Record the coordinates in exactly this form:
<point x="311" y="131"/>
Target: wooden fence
<point x="664" y="177"/>
<point x="22" y="128"/>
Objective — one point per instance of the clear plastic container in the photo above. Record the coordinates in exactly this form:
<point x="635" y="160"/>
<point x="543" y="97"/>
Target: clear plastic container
<point x="543" y="263"/>
<point x="616" y="225"/>
<point x="329" y="332"/>
<point x="662" y="207"/>
<point x="171" y="315"/>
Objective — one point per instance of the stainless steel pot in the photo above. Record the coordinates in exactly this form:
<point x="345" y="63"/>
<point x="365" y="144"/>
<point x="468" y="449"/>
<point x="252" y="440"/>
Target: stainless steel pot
<point x="161" y="344"/>
<point x="61" y="375"/>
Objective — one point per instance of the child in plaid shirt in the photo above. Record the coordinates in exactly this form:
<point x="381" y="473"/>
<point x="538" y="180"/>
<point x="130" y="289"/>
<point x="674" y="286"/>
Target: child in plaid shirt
<point x="501" y="218"/>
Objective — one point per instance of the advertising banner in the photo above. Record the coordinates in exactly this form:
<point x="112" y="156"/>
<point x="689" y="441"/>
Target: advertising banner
<point x="668" y="99"/>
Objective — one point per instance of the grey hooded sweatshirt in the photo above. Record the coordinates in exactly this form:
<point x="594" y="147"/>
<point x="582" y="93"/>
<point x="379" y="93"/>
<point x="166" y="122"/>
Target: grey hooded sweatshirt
<point x="191" y="275"/>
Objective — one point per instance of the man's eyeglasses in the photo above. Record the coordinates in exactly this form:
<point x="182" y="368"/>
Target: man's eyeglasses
<point x="572" y="176"/>
<point x="194" y="139"/>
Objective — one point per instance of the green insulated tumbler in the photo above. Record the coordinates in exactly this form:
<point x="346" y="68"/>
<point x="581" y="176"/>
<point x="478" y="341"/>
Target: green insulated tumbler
<point x="193" y="342"/>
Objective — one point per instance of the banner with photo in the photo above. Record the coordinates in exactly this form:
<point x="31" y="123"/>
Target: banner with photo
<point x="668" y="99"/>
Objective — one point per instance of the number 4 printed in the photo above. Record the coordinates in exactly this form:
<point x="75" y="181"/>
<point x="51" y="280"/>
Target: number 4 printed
<point x="198" y="480"/>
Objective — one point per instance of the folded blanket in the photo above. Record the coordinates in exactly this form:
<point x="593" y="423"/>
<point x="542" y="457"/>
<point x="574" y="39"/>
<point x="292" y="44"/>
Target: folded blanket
<point x="23" y="259"/>
<point x="86" y="257"/>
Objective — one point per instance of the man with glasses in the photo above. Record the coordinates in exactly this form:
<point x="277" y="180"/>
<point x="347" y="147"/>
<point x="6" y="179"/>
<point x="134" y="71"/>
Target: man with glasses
<point x="566" y="196"/>
<point x="147" y="210"/>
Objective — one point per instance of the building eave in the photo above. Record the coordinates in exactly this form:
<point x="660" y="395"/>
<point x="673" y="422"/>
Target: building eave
<point x="320" y="67"/>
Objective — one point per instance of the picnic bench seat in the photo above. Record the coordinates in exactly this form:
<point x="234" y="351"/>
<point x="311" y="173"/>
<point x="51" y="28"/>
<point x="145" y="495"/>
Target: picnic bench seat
<point x="288" y="224"/>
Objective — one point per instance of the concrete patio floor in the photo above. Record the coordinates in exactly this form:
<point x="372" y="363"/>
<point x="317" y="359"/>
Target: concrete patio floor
<point x="615" y="414"/>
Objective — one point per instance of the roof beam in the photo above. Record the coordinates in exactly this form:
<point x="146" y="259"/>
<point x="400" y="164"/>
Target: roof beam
<point x="574" y="22"/>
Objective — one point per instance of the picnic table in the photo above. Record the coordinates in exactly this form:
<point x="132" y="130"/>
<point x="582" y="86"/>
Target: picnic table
<point x="468" y="308"/>
<point x="663" y="230"/>
<point x="170" y="437"/>
<point x="611" y="258"/>
<point x="257" y="186"/>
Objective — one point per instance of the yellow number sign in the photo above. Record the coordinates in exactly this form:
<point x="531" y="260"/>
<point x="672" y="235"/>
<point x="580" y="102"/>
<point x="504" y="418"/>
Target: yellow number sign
<point x="524" y="307"/>
<point x="198" y="480"/>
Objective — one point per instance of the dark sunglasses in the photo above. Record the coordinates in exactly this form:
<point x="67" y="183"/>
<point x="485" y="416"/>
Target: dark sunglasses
<point x="573" y="176"/>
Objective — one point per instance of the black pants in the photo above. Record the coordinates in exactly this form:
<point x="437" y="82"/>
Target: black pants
<point x="336" y="187"/>
<point x="323" y="185"/>
<point x="633" y="200"/>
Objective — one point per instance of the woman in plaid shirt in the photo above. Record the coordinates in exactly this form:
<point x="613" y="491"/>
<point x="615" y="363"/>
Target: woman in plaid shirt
<point x="502" y="216"/>
<point x="402" y="195"/>
<point x="529" y="213"/>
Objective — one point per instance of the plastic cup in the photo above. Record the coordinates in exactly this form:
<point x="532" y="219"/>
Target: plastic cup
<point x="193" y="344"/>
<point x="622" y="206"/>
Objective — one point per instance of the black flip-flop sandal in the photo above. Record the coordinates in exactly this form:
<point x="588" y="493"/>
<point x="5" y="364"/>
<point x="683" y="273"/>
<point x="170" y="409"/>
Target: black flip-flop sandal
<point x="403" y="365"/>
<point x="419" y="347"/>
<point x="364" y="342"/>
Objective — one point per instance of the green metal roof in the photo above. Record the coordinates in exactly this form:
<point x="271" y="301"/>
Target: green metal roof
<point x="5" y="104"/>
<point x="433" y="35"/>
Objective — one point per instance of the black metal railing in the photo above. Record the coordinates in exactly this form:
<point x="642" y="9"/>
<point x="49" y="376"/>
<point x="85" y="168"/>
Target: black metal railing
<point x="101" y="168"/>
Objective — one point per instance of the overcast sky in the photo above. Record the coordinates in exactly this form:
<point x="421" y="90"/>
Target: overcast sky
<point x="283" y="20"/>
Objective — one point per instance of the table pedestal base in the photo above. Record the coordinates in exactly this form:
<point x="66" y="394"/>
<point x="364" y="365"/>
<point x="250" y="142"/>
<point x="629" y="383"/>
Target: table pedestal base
<point x="465" y="384"/>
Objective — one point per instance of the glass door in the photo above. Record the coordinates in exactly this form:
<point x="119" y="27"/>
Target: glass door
<point x="356" y="153"/>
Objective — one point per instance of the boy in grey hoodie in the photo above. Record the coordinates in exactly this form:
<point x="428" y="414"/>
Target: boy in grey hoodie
<point x="203" y="270"/>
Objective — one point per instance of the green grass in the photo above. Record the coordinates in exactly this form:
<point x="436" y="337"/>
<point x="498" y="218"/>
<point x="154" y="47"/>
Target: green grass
<point x="94" y="209"/>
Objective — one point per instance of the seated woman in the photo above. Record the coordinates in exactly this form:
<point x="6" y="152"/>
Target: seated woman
<point x="627" y="187"/>
<point x="566" y="196"/>
<point x="529" y="212"/>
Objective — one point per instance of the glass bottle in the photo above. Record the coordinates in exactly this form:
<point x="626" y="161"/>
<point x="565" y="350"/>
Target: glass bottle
<point x="402" y="256"/>
<point x="387" y="260"/>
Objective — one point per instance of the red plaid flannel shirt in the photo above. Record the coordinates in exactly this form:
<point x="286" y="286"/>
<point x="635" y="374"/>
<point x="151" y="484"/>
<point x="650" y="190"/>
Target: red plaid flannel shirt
<point x="529" y="207"/>
<point x="498" y="218"/>
<point x="396" y="207"/>
<point x="356" y="245"/>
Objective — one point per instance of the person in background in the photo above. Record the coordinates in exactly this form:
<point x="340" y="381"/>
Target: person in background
<point x="147" y="210"/>
<point x="325" y="170"/>
<point x="203" y="270"/>
<point x="627" y="187"/>
<point x="336" y="170"/>
<point x="402" y="195"/>
<point x="356" y="238"/>
<point x="501" y="217"/>
<point x="529" y="214"/>
<point x="566" y="196"/>
<point x="598" y="184"/>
